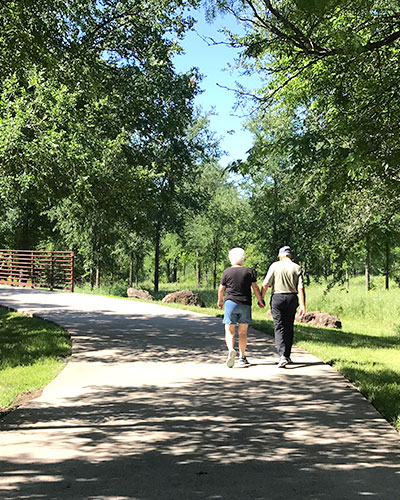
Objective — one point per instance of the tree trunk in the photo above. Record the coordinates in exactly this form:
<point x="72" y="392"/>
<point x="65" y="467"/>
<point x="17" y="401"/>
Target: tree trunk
<point x="169" y="278"/>
<point x="175" y="272"/>
<point x="367" y="266"/>
<point x="387" y="265"/>
<point x="215" y="269"/>
<point x="306" y="275"/>
<point x="198" y="268"/>
<point x="157" y="257"/>
<point x="131" y="271"/>
<point x="97" y="277"/>
<point x="137" y="269"/>
<point x="275" y="216"/>
<point x="91" y="279"/>
<point x="347" y="280"/>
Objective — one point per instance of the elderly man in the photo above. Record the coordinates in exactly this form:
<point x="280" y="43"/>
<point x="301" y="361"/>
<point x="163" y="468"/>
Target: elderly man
<point x="238" y="282"/>
<point x="286" y="282"/>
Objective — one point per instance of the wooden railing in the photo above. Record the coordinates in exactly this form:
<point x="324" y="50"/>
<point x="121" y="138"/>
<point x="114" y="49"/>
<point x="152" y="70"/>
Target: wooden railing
<point x="37" y="269"/>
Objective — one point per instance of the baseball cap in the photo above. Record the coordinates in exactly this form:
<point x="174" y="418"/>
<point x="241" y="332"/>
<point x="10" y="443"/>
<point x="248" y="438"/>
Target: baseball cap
<point x="284" y="251"/>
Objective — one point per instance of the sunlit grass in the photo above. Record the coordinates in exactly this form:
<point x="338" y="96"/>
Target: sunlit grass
<point x="32" y="353"/>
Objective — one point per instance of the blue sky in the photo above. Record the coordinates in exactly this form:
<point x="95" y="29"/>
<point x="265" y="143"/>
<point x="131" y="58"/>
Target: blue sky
<point x="212" y="61"/>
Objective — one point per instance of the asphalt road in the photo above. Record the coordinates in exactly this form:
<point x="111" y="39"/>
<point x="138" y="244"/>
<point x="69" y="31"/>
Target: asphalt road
<point x="147" y="410"/>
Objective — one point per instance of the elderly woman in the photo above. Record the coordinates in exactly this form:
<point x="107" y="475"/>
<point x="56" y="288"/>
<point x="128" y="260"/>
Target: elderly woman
<point x="237" y="281"/>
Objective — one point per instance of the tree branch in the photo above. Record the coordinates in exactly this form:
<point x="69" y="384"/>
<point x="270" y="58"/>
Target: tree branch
<point x="381" y="43"/>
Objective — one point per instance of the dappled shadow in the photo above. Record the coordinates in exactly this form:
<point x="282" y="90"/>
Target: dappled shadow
<point x="190" y="430"/>
<point x="379" y="383"/>
<point x="171" y="335"/>
<point x="245" y="437"/>
<point x="352" y="340"/>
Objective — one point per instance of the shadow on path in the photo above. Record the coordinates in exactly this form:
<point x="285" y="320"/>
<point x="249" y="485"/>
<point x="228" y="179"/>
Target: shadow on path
<point x="163" y="419"/>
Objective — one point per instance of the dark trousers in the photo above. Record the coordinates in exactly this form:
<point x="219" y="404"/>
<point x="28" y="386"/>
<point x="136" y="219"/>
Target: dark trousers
<point x="283" y="310"/>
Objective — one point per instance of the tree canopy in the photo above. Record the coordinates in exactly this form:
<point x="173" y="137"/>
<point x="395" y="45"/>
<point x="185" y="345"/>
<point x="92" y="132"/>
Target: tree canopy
<point x="102" y="150"/>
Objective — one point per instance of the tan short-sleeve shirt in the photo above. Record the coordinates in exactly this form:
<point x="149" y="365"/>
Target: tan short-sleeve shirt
<point x="284" y="276"/>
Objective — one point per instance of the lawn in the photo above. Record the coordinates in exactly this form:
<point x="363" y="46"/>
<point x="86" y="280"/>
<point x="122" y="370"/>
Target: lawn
<point x="32" y="353"/>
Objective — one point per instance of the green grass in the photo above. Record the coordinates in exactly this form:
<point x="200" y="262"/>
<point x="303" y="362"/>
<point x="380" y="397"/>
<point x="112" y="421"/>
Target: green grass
<point x="32" y="353"/>
<point x="367" y="349"/>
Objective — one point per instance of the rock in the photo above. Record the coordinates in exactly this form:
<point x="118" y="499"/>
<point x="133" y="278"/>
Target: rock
<point x="185" y="297"/>
<point x="133" y="293"/>
<point x="316" y="318"/>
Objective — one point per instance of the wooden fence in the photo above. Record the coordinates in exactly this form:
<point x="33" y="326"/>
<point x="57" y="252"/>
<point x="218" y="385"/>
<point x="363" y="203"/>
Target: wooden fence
<point x="37" y="269"/>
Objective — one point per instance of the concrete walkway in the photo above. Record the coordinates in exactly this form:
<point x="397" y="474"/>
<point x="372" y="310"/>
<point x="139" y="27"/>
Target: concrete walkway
<point x="146" y="410"/>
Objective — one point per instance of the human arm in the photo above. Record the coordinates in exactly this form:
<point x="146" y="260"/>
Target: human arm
<point x="221" y="291"/>
<point x="264" y="289"/>
<point x="257" y="293"/>
<point x="302" y="300"/>
<point x="302" y="295"/>
<point x="268" y="280"/>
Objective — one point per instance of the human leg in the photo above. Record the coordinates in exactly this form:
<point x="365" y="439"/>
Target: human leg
<point x="288" y="319"/>
<point x="242" y="331"/>
<point x="279" y="327"/>
<point x="230" y="337"/>
<point x="230" y="342"/>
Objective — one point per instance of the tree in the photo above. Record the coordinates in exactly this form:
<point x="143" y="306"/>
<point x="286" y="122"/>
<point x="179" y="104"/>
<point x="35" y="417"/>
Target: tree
<point x="93" y="115"/>
<point x="330" y="67"/>
<point x="216" y="227"/>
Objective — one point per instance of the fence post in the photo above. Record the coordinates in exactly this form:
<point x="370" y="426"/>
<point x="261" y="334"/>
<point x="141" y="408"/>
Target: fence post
<point x="51" y="271"/>
<point x="32" y="270"/>
<point x="11" y="266"/>
<point x="72" y="271"/>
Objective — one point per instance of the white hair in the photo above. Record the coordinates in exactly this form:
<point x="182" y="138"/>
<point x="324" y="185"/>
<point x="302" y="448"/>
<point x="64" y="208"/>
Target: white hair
<point x="237" y="256"/>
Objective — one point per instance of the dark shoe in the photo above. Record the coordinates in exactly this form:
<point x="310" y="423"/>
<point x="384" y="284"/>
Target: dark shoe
<point x="243" y="362"/>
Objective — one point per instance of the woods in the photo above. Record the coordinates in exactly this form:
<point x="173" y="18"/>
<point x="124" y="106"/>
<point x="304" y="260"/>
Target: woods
<point x="103" y="152"/>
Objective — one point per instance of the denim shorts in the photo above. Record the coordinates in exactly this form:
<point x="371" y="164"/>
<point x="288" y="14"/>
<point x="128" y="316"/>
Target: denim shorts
<point x="236" y="313"/>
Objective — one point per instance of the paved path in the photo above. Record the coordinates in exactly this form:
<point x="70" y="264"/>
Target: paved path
<point x="146" y="410"/>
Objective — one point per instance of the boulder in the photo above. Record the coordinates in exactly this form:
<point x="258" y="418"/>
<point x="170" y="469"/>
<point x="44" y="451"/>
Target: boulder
<point x="133" y="293"/>
<point x="185" y="297"/>
<point x="317" y="318"/>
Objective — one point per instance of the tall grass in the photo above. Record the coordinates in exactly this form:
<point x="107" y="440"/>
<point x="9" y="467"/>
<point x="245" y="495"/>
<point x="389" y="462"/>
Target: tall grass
<point x="376" y="312"/>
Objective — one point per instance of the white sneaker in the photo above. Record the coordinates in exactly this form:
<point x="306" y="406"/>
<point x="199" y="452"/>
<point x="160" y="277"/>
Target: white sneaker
<point x="230" y="360"/>
<point x="283" y="362"/>
<point x="289" y="361"/>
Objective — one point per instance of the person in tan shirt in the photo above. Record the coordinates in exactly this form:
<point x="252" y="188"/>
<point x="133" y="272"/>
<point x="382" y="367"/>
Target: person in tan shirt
<point x="285" y="279"/>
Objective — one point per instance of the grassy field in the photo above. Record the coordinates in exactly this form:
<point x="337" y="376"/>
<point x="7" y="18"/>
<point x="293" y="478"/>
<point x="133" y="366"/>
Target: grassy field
<point x="367" y="349"/>
<point x="32" y="353"/>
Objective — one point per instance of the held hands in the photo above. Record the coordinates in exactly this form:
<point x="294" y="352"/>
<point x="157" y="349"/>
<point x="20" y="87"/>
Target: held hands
<point x="261" y="303"/>
<point x="220" y="304"/>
